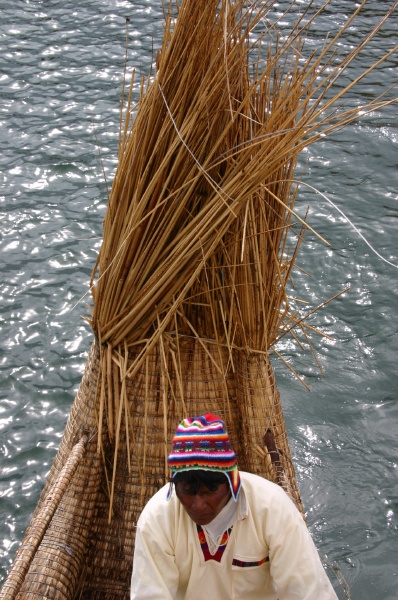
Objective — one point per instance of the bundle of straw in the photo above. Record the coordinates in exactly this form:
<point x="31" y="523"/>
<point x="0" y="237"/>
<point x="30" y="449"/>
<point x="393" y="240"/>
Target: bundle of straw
<point x="197" y="236"/>
<point x="190" y="285"/>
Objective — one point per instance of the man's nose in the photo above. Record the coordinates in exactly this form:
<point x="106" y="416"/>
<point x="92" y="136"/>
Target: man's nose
<point x="198" y="502"/>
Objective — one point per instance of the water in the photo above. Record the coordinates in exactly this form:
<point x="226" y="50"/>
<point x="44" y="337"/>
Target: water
<point x="61" y="66"/>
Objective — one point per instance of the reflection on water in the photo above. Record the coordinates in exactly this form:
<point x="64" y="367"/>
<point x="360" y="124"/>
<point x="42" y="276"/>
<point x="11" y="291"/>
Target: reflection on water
<point x="61" y="70"/>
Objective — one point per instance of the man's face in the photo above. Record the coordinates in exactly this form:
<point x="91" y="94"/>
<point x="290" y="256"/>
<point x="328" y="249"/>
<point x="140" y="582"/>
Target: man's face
<point x="204" y="506"/>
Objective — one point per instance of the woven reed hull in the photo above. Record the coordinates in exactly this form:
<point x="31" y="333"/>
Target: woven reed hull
<point x="82" y="555"/>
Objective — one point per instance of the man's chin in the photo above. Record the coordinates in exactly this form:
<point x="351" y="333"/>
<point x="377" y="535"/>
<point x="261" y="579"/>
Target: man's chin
<point x="201" y="520"/>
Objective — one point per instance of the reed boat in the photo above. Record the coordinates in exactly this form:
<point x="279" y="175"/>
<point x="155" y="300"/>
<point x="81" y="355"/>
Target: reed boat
<point x="190" y="291"/>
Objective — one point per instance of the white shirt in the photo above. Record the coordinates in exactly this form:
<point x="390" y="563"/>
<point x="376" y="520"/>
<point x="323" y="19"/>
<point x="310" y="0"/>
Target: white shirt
<point x="269" y="553"/>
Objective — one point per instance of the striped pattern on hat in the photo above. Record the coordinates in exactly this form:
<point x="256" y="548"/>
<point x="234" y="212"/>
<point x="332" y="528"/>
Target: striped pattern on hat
<point x="203" y="443"/>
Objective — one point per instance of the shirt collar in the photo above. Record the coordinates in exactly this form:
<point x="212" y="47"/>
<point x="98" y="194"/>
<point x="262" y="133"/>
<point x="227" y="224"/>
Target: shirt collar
<point x="232" y="512"/>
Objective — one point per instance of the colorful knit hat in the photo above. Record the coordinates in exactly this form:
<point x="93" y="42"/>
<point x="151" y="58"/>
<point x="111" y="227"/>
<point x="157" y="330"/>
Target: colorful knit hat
<point x="203" y="443"/>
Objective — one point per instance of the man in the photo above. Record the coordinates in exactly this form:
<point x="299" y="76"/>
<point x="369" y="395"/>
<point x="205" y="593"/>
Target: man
<point x="214" y="533"/>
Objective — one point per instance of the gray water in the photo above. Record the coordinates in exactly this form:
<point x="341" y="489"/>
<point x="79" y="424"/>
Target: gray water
<point x="61" y="68"/>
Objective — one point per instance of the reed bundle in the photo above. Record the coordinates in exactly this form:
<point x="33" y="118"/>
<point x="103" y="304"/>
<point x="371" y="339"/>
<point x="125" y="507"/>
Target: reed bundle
<point x="198" y="234"/>
<point x="190" y="286"/>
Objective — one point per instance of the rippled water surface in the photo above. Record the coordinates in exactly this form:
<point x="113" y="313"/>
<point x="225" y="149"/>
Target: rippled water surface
<point x="61" y="69"/>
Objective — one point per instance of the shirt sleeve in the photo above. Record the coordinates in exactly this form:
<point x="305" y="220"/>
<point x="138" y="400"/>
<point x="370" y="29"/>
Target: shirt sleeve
<point x="296" y="568"/>
<point x="155" y="574"/>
